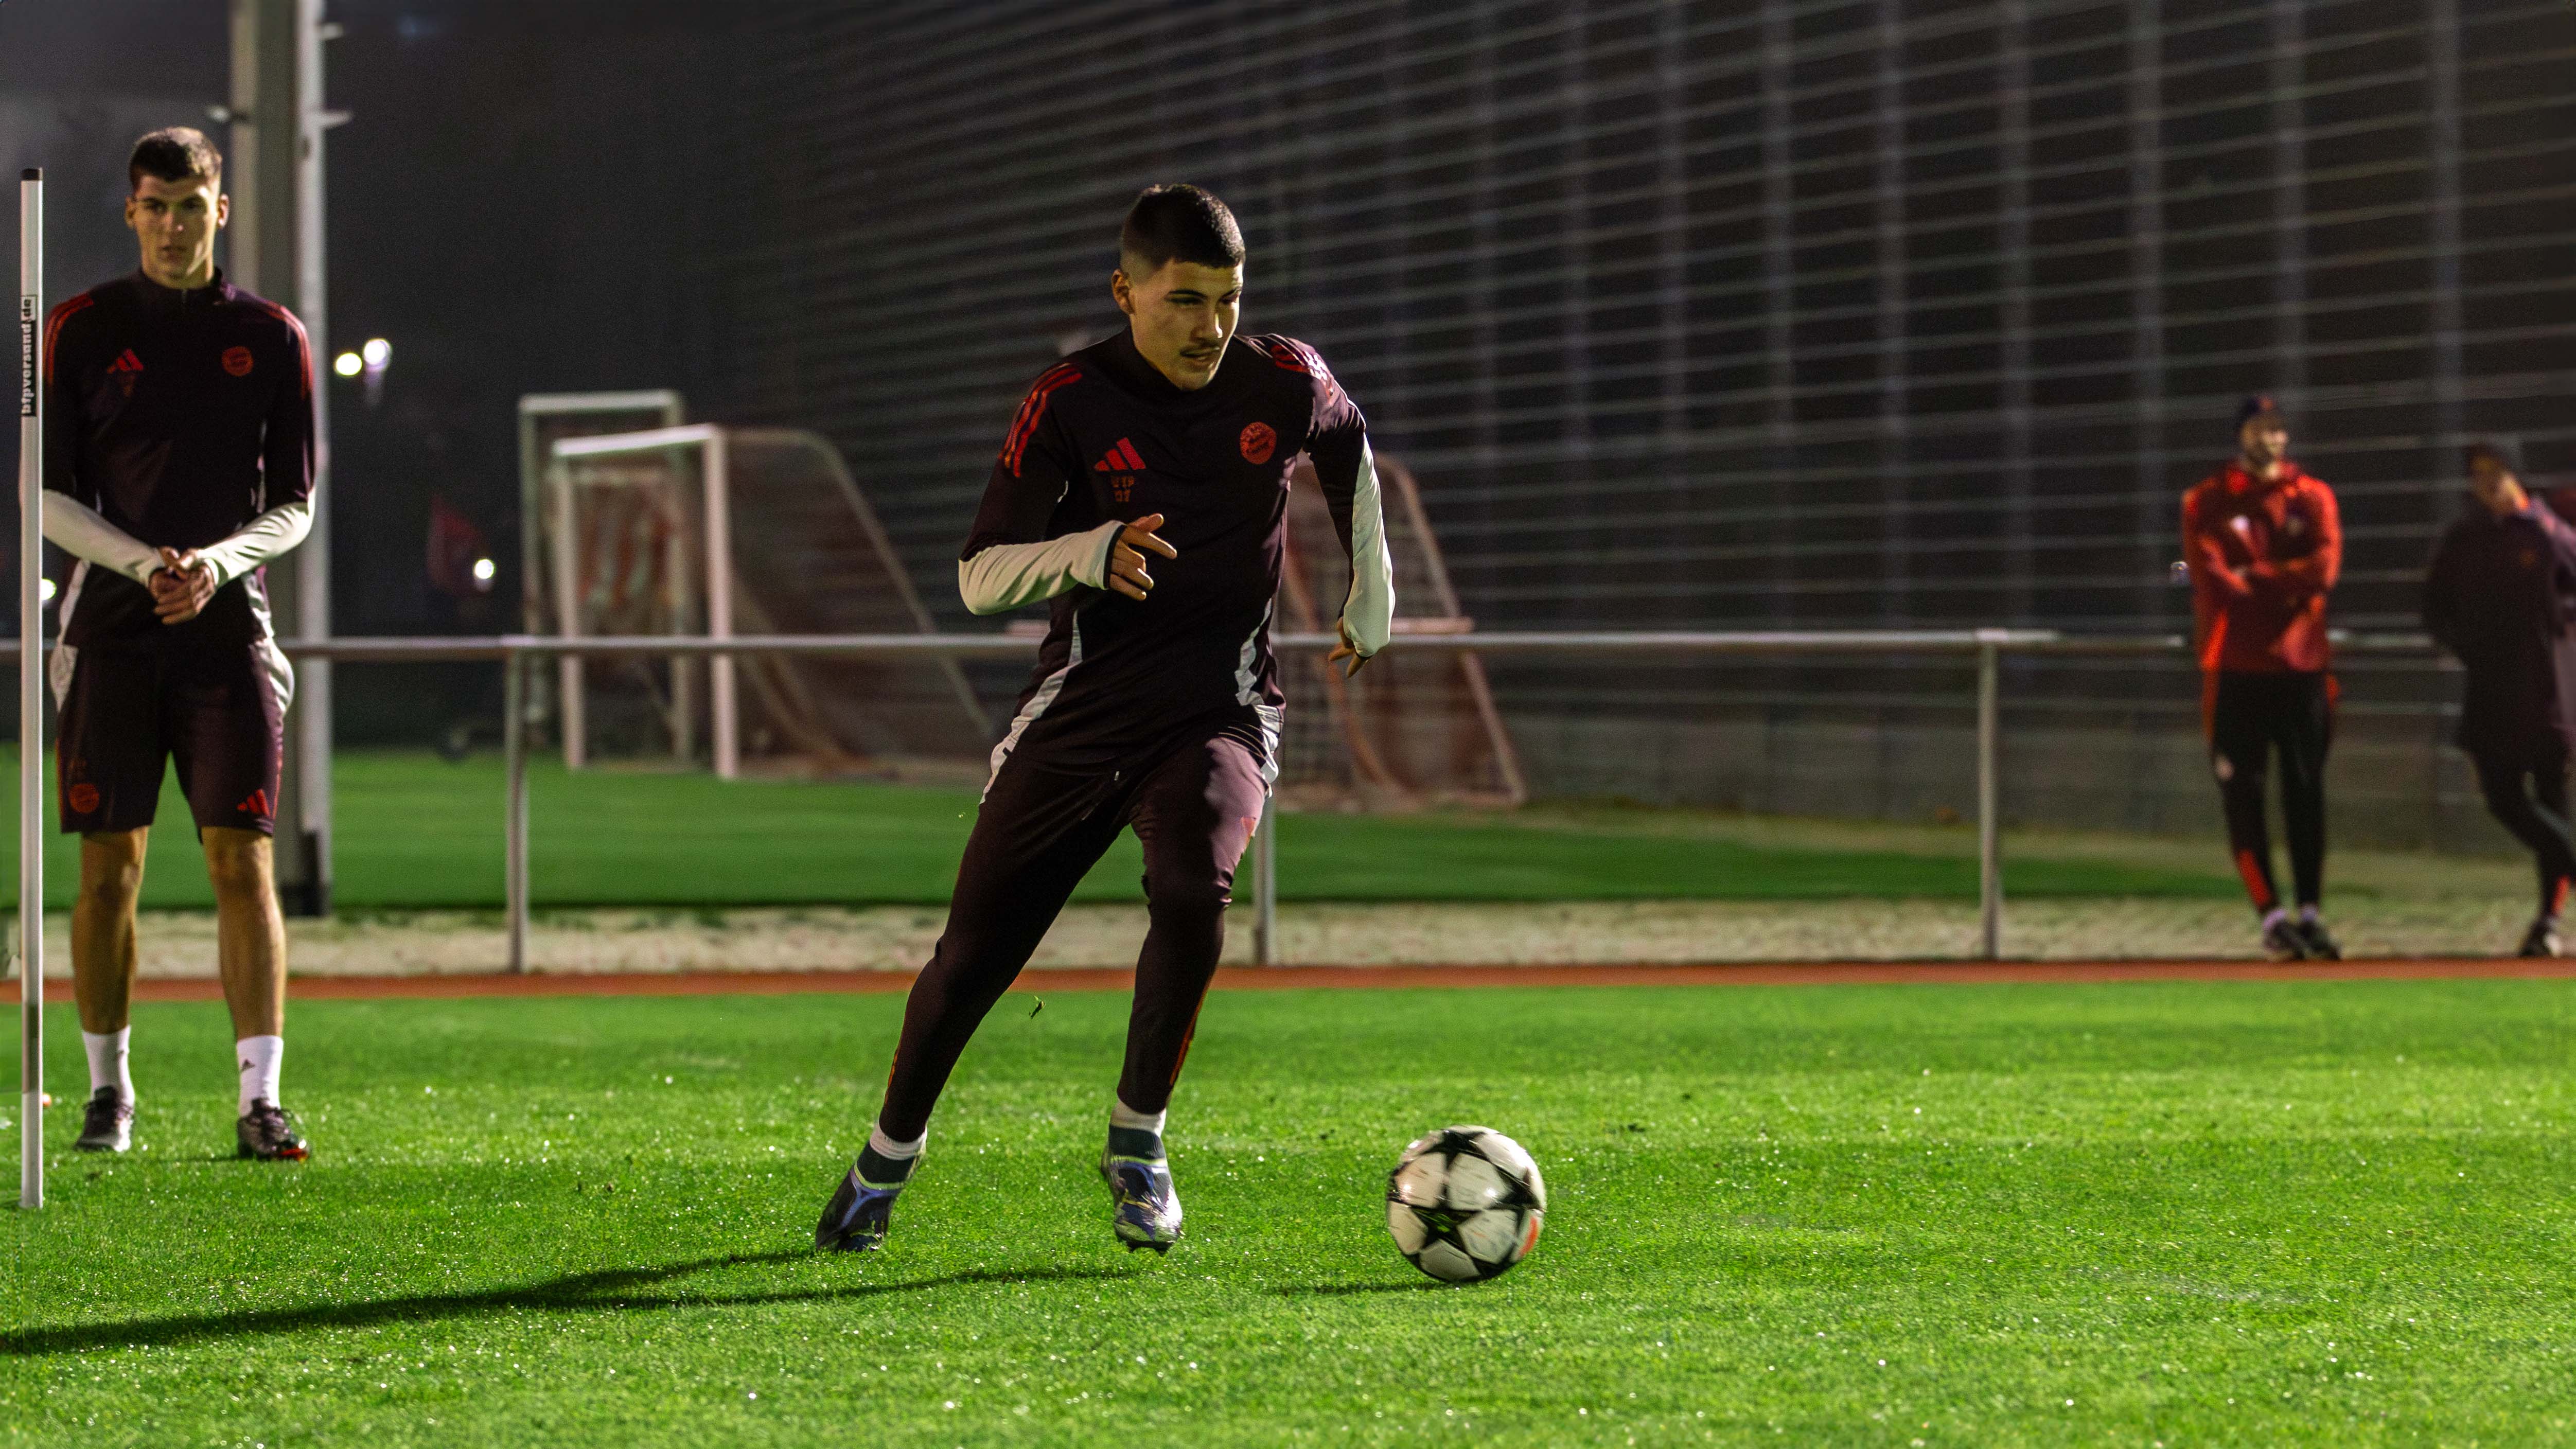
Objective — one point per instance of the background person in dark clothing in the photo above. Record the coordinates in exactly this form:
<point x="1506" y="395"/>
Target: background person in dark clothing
<point x="2500" y="594"/>
<point x="2264" y="543"/>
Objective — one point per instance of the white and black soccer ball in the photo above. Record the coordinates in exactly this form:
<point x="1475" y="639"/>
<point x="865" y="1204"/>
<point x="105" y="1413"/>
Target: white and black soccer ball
<point x="1464" y="1204"/>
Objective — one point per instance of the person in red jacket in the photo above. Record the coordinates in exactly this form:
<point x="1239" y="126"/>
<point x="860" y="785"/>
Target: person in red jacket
<point x="2264" y="543"/>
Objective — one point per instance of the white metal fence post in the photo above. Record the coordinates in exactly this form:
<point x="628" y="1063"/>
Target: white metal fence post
<point x="1990" y="876"/>
<point x="514" y="756"/>
<point x="31" y="690"/>
<point x="1265" y="886"/>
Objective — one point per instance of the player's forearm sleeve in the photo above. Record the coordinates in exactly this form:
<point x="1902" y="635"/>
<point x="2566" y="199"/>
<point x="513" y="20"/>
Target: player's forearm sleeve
<point x="76" y="529"/>
<point x="1369" y="610"/>
<point x="1004" y="576"/>
<point x="261" y="539"/>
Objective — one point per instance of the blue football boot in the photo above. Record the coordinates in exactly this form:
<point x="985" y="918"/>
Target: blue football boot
<point x="1144" y="1210"/>
<point x="857" y="1217"/>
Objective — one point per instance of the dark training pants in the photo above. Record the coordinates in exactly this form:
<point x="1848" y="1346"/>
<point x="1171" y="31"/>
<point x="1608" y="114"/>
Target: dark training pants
<point x="1193" y="808"/>
<point x="2537" y="815"/>
<point x="2250" y="717"/>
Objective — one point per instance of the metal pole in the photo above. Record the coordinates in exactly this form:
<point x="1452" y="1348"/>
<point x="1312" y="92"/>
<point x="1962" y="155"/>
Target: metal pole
<point x="721" y="703"/>
<point x="311" y="759"/>
<point x="1265" y="886"/>
<point x="31" y="692"/>
<point x="1990" y="873"/>
<point x="514" y="758"/>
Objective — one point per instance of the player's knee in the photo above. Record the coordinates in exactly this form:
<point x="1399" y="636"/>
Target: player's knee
<point x="111" y="876"/>
<point x="1171" y="903"/>
<point x="237" y="862"/>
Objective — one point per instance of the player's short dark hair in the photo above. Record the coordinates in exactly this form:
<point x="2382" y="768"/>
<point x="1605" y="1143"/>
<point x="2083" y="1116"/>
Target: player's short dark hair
<point x="2259" y="405"/>
<point x="2486" y="450"/>
<point x="174" y="153"/>
<point x="1177" y="223"/>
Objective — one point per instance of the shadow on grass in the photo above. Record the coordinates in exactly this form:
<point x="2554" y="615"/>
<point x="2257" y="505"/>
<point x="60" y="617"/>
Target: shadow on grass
<point x="615" y="1289"/>
<point x="1345" y="1290"/>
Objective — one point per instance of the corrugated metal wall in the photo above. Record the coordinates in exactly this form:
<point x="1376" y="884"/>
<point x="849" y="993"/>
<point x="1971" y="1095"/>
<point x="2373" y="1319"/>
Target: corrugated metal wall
<point x="1888" y="313"/>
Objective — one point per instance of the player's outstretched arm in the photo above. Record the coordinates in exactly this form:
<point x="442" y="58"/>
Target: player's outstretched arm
<point x="1348" y="476"/>
<point x="1115" y="556"/>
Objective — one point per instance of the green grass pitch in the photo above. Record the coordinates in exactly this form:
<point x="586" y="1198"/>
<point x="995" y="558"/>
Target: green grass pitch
<point x="2122" y="1214"/>
<point x="415" y="831"/>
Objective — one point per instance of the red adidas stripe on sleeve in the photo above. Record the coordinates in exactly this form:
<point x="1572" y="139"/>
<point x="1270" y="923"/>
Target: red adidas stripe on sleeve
<point x="54" y="326"/>
<point x="1032" y="411"/>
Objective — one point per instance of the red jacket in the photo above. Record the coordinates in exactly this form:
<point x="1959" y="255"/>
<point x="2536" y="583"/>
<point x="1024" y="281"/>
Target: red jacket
<point x="2263" y="553"/>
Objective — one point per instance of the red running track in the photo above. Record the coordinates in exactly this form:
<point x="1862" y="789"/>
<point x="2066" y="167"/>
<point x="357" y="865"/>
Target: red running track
<point x="1299" y="978"/>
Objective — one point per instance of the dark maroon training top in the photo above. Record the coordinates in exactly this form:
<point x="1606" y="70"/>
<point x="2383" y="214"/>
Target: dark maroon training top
<point x="1103" y="436"/>
<point x="178" y="417"/>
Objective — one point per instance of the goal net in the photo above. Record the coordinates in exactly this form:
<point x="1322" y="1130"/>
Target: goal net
<point x="723" y="532"/>
<point x="1417" y="726"/>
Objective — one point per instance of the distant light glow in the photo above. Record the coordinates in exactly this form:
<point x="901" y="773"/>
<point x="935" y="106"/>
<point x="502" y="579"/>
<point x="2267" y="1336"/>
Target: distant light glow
<point x="377" y="352"/>
<point x="45" y="590"/>
<point x="348" y="364"/>
<point x="483" y="570"/>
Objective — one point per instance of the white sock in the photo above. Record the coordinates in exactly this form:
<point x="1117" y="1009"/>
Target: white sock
<point x="884" y="1146"/>
<point x="107" y="1067"/>
<point x="258" y="1058"/>
<point x="2274" y="917"/>
<point x="1122" y="1115"/>
<point x="2308" y="913"/>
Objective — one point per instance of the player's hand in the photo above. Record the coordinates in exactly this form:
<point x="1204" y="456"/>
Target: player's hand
<point x="181" y="586"/>
<point x="1348" y="649"/>
<point x="1128" y="573"/>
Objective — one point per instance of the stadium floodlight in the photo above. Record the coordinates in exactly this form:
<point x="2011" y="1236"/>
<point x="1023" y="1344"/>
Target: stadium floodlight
<point x="483" y="571"/>
<point x="348" y="364"/>
<point x="376" y="353"/>
<point x="31" y="697"/>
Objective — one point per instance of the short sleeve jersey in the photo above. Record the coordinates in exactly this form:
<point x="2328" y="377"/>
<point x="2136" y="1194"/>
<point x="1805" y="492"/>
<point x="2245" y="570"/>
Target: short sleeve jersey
<point x="1102" y="435"/>
<point x="178" y="417"/>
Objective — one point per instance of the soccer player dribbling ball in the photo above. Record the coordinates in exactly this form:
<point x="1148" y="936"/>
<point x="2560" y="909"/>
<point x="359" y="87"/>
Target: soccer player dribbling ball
<point x="2264" y="544"/>
<point x="178" y="462"/>
<point x="1142" y="493"/>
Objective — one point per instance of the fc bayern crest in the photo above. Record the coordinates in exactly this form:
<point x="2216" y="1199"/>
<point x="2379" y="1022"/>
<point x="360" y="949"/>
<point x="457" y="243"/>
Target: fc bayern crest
<point x="1258" y="443"/>
<point x="237" y="361"/>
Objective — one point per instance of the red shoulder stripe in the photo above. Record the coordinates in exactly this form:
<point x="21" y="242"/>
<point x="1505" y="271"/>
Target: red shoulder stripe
<point x="1033" y="410"/>
<point x="54" y="326"/>
<point x="303" y="343"/>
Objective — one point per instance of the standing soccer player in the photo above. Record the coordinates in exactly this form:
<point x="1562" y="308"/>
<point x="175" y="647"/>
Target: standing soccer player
<point x="2264" y="544"/>
<point x="2500" y="596"/>
<point x="1142" y="492"/>
<point x="179" y="460"/>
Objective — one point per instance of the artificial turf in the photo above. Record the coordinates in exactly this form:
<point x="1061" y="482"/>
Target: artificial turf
<point x="2135" y="1214"/>
<point x="414" y="831"/>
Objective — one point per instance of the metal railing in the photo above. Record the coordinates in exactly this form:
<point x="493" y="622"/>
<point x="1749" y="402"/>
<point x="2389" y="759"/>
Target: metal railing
<point x="1985" y="647"/>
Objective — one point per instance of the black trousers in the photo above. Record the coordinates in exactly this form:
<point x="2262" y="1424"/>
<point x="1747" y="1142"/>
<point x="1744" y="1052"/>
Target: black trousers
<point x="2528" y="796"/>
<point x="1193" y="807"/>
<point x="2252" y="718"/>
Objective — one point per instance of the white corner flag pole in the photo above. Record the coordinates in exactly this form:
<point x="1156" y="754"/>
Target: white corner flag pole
<point x="31" y="685"/>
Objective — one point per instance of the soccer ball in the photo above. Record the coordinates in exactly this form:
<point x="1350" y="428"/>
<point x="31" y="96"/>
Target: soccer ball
<point x="1464" y="1204"/>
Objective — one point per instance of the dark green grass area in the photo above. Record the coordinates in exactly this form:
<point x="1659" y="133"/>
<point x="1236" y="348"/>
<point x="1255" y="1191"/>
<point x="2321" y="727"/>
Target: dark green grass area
<point x="2179" y="1215"/>
<point x="415" y="831"/>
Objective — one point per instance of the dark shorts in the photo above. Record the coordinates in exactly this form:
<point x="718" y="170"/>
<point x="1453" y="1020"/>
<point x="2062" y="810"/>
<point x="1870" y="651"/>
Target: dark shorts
<point x="2251" y="715"/>
<point x="219" y="715"/>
